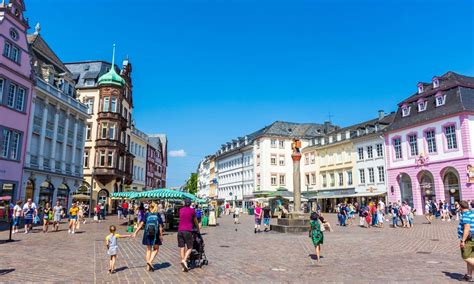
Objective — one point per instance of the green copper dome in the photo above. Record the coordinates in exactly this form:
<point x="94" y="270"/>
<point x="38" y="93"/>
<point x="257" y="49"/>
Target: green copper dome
<point x="111" y="78"/>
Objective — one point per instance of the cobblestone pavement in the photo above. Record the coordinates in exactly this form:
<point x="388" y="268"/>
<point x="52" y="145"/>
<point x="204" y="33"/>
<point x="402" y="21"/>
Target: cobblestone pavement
<point x="424" y="254"/>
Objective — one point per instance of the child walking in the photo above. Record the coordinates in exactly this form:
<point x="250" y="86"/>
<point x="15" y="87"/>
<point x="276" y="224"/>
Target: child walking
<point x="112" y="246"/>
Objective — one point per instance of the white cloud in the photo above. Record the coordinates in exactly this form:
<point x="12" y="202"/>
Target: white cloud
<point x="177" y="153"/>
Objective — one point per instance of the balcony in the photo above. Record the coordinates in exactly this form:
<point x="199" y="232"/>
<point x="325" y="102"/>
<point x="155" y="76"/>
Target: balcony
<point x="46" y="164"/>
<point x="58" y="94"/>
<point x="57" y="166"/>
<point x="106" y="143"/>
<point x="113" y="116"/>
<point x="68" y="169"/>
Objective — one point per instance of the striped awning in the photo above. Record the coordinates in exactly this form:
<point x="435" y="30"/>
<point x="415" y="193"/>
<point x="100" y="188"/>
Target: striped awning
<point x="161" y="193"/>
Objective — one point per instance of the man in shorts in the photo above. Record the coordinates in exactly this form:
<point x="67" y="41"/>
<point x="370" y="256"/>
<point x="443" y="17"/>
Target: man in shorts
<point x="29" y="213"/>
<point x="187" y="223"/>
<point x="429" y="211"/>
<point x="465" y="233"/>
<point x="266" y="218"/>
<point x="258" y="217"/>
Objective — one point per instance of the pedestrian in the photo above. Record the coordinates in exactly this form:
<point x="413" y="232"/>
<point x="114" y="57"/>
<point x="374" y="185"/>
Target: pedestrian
<point x="102" y="211"/>
<point x="258" y="217"/>
<point x="111" y="242"/>
<point x="428" y="211"/>
<point x="80" y="216"/>
<point x="29" y="213"/>
<point x="236" y="215"/>
<point x="395" y="213"/>
<point x="457" y="209"/>
<point x="198" y="211"/>
<point x="161" y="211"/>
<point x="97" y="212"/>
<point x="125" y="209"/>
<point x="227" y="208"/>
<point x="316" y="234"/>
<point x="403" y="211"/>
<point x="119" y="211"/>
<point x="152" y="235"/>
<point x="58" y="212"/>
<point x="140" y="215"/>
<point x="16" y="217"/>
<point x="411" y="217"/>
<point x="187" y="223"/>
<point x="266" y="218"/>
<point x="47" y="216"/>
<point x="73" y="218"/>
<point x="380" y="214"/>
<point x="465" y="233"/>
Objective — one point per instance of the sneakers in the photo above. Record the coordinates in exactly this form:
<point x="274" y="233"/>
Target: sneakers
<point x="73" y="232"/>
<point x="255" y="231"/>
<point x="69" y="231"/>
<point x="184" y="265"/>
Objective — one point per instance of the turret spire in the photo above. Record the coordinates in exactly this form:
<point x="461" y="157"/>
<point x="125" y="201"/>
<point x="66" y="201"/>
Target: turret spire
<point x="113" y="56"/>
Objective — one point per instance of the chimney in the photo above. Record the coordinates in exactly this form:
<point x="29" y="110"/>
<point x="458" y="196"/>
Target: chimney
<point x="327" y="125"/>
<point x="381" y="114"/>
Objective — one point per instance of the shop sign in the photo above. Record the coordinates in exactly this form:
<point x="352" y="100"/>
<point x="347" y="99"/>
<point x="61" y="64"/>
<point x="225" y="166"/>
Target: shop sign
<point x="470" y="174"/>
<point x="7" y="186"/>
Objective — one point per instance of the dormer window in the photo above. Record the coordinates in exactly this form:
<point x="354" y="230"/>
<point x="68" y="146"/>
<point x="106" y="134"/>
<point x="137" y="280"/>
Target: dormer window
<point x="440" y="100"/>
<point x="422" y="106"/>
<point x="420" y="88"/>
<point x="406" y="111"/>
<point x="435" y="82"/>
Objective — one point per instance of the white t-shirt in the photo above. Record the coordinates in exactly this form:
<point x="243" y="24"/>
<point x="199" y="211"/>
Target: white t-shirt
<point x="17" y="210"/>
<point x="33" y="206"/>
<point x="237" y="211"/>
<point x="427" y="207"/>
<point x="381" y="205"/>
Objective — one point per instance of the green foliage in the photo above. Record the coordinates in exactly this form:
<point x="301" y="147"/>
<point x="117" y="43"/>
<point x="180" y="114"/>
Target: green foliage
<point x="191" y="185"/>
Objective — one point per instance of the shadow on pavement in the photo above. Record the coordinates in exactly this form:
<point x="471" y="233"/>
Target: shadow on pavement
<point x="161" y="265"/>
<point x="6" y="271"/>
<point x="121" y="268"/>
<point x="454" y="276"/>
<point x="7" y="241"/>
<point x="313" y="256"/>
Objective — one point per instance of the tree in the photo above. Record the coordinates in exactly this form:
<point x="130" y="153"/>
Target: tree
<point x="191" y="185"/>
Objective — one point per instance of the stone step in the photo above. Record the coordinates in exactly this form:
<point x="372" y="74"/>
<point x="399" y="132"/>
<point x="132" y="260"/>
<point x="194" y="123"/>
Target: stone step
<point x="293" y="222"/>
<point x="289" y="229"/>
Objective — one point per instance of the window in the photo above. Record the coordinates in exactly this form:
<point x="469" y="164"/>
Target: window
<point x="105" y="106"/>
<point x="86" y="159"/>
<point x="113" y="104"/>
<point x="104" y="130"/>
<point x="371" y="175"/>
<point x="341" y="179"/>
<point x="440" y="100"/>
<point x="7" y="49"/>
<point x="258" y="179"/>
<point x="306" y="180"/>
<point x="325" y="180"/>
<point x="450" y="132"/>
<point x="362" y="176"/>
<point x="406" y="111"/>
<point x="273" y="179"/>
<point x="379" y="150"/>
<point x="413" y="144"/>
<point x="435" y="83"/>
<point x="431" y="141"/>
<point x="2" y="82"/>
<point x="312" y="158"/>
<point x="281" y="143"/>
<point x="422" y="106"/>
<point x="273" y="143"/>
<point x="110" y="158"/>
<point x="306" y="159"/>
<point x="281" y="160"/>
<point x="89" y="82"/>
<point x="333" y="181"/>
<point x="88" y="131"/>
<point x="11" y="95"/>
<point x="15" y="54"/>
<point x="258" y="144"/>
<point x="20" y="99"/>
<point x="90" y="106"/>
<point x="273" y="160"/>
<point x="313" y="178"/>
<point x="349" y="177"/>
<point x="15" y="146"/>
<point x="370" y="153"/>
<point x="102" y="158"/>
<point x="282" y="179"/>
<point x="360" y="152"/>
<point x="381" y="173"/>
<point x="112" y="131"/>
<point x="6" y="142"/>
<point x="397" y="145"/>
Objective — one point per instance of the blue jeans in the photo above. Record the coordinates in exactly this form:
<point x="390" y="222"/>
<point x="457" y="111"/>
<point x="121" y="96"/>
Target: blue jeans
<point x="395" y="220"/>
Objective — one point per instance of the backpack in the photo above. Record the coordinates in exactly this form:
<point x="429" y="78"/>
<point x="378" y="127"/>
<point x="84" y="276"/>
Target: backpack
<point x="151" y="226"/>
<point x="198" y="213"/>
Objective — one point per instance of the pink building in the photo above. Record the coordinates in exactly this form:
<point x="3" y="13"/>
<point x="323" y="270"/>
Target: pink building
<point x="428" y="145"/>
<point x="15" y="96"/>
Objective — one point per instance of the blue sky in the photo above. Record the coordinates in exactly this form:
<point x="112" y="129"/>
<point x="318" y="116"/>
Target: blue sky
<point x="205" y="72"/>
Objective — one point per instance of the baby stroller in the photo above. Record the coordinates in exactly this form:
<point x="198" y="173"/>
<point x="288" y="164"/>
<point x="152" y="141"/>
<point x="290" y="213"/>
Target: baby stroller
<point x="198" y="255"/>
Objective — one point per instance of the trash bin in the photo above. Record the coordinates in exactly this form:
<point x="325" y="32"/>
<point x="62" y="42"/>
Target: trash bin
<point x="205" y="221"/>
<point x="251" y="211"/>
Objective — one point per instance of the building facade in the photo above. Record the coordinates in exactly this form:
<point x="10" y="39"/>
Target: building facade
<point x="204" y="177"/>
<point x="138" y="147"/>
<point x="156" y="161"/>
<point x="16" y="85"/>
<point x="108" y="162"/>
<point x="53" y="168"/>
<point x="428" y="145"/>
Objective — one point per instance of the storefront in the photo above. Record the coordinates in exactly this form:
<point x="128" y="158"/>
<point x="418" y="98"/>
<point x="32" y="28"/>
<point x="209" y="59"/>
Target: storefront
<point x="46" y="193"/>
<point x="29" y="190"/>
<point x="63" y="194"/>
<point x="329" y="199"/>
<point x="8" y="188"/>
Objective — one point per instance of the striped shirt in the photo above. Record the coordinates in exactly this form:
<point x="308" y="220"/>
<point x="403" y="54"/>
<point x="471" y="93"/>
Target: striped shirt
<point x="466" y="218"/>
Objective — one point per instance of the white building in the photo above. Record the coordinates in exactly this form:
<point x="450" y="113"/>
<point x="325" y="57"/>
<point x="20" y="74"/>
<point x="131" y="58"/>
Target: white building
<point x="204" y="181"/>
<point x="53" y="168"/>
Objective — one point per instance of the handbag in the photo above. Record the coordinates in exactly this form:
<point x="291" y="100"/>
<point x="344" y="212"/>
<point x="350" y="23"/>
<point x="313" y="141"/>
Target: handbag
<point x="36" y="220"/>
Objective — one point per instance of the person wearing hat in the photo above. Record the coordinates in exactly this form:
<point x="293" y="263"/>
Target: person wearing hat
<point x="465" y="233"/>
<point x="187" y="223"/>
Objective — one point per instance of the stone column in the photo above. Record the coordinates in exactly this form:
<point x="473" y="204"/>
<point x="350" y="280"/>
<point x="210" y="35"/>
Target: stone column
<point x="43" y="134"/>
<point x="55" y="139"/>
<point x="66" y="134"/>
<point x="30" y="130"/>
<point x="296" y="157"/>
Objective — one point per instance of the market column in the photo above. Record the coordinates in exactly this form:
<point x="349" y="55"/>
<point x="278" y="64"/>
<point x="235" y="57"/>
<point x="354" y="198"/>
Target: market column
<point x="296" y="157"/>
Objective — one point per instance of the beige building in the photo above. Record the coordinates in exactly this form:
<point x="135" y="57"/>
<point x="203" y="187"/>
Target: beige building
<point x="107" y="160"/>
<point x="138" y="146"/>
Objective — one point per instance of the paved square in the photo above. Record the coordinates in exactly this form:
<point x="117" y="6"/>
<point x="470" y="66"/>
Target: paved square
<point x="424" y="254"/>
